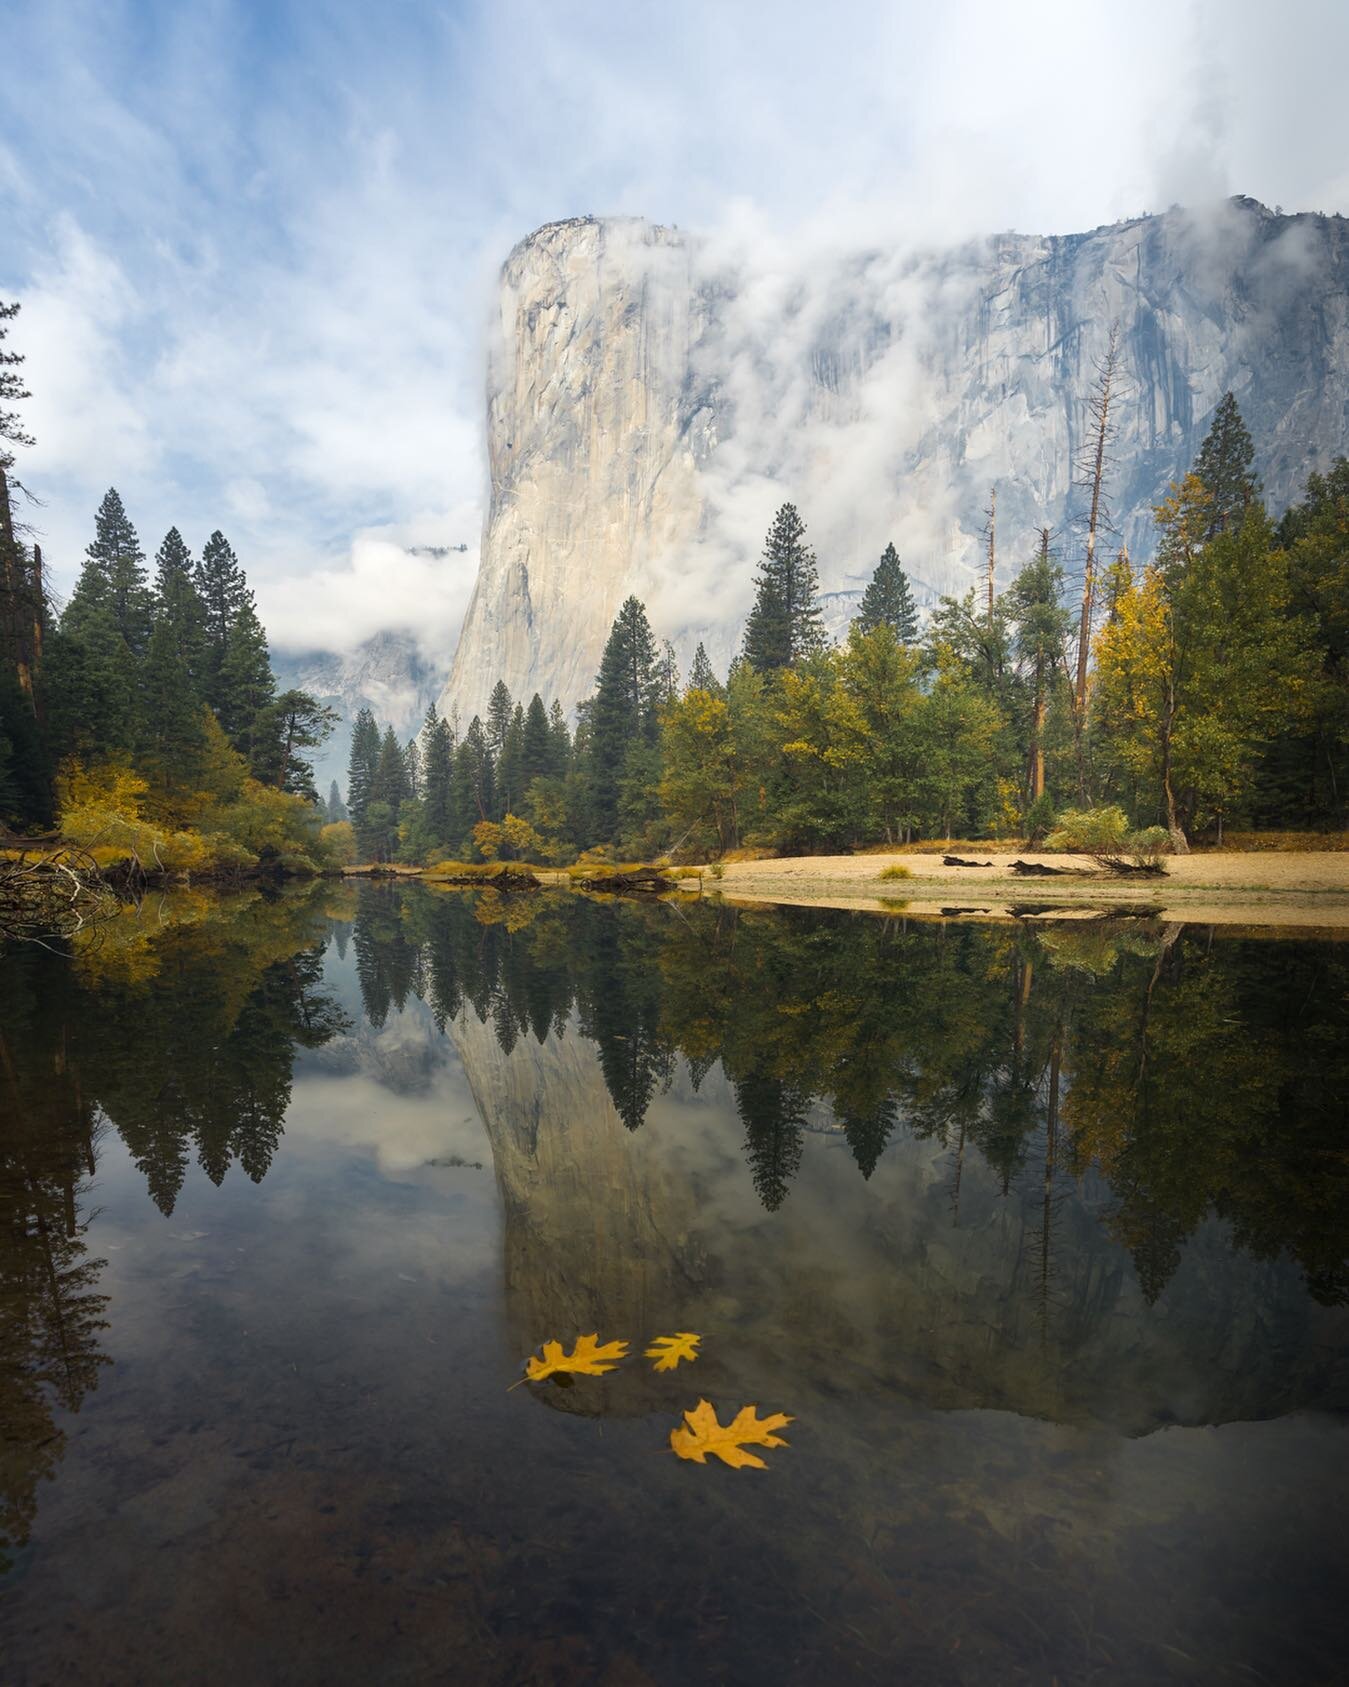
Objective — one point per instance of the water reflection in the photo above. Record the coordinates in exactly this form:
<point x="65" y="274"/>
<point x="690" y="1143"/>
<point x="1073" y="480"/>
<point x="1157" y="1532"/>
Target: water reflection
<point x="1196" y="1077"/>
<point x="181" y="1040"/>
<point x="893" y="1170"/>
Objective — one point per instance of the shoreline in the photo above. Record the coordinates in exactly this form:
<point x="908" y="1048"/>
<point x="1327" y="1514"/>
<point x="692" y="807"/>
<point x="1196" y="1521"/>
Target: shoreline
<point x="1305" y="890"/>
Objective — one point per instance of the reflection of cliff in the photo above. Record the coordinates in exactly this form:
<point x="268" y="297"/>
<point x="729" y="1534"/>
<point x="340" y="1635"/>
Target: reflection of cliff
<point x="597" y="1231"/>
<point x="1023" y="1301"/>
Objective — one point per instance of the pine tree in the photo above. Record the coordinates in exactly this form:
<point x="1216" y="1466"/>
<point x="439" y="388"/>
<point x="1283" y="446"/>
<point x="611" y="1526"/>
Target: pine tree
<point x="499" y="710"/>
<point x="536" y="755"/>
<point x="784" y="625"/>
<point x="888" y="600"/>
<point x="295" y="722"/>
<point x="12" y="391"/>
<point x="560" y="735"/>
<point x="238" y="681"/>
<point x="170" y="735"/>
<point x="1224" y="466"/>
<point x="113" y="579"/>
<point x="361" y="764"/>
<point x="412" y="763"/>
<point x="178" y="603"/>
<point x="474" y="796"/>
<point x="667" y="673"/>
<point x="23" y="607"/>
<point x="337" y="809"/>
<point x="437" y="781"/>
<point x="624" y="711"/>
<point x="703" y="676"/>
<point x="510" y="766"/>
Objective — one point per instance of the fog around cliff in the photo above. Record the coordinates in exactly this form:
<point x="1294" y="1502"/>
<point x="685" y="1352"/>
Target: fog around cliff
<point x="256" y="252"/>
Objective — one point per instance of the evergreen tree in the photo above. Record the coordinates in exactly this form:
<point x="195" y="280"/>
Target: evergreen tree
<point x="667" y="673"/>
<point x="245" y="685"/>
<point x="437" y="782"/>
<point x="293" y="723"/>
<point x="177" y="603"/>
<point x="337" y="809"/>
<point x="12" y="391"/>
<point x="499" y="710"/>
<point x="473" y="796"/>
<point x="113" y="579"/>
<point x="784" y="625"/>
<point x="1224" y="466"/>
<point x="170" y="735"/>
<point x="238" y="681"/>
<point x="536" y="753"/>
<point x="1042" y="627"/>
<point x="92" y="688"/>
<point x="560" y="753"/>
<point x="624" y="712"/>
<point x="510" y="782"/>
<point x="703" y="676"/>
<point x="361" y="764"/>
<point x="412" y="762"/>
<point x="888" y="600"/>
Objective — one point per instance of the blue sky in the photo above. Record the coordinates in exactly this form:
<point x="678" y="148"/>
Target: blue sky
<point x="255" y="243"/>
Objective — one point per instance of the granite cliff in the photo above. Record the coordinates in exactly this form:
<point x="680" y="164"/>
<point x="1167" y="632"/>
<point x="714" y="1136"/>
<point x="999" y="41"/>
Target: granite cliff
<point x="653" y="397"/>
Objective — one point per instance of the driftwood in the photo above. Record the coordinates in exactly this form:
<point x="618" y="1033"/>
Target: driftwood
<point x="948" y="913"/>
<point x="505" y="878"/>
<point x="642" y="881"/>
<point x="52" y="893"/>
<point x="959" y="861"/>
<point x="1132" y="869"/>
<point x="1037" y="870"/>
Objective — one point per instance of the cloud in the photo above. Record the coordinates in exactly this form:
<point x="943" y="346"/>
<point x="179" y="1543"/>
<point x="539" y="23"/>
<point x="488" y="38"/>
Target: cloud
<point x="391" y="581"/>
<point x="257" y="252"/>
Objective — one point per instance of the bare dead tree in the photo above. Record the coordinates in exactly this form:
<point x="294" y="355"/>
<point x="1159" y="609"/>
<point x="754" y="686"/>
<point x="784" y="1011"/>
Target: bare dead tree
<point x="1094" y="465"/>
<point x="992" y="532"/>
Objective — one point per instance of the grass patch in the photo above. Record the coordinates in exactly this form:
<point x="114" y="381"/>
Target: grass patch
<point x="895" y="871"/>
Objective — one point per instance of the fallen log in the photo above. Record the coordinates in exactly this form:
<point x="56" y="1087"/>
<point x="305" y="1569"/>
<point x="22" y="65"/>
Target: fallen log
<point x="646" y="881"/>
<point x="959" y="861"/>
<point x="1037" y="870"/>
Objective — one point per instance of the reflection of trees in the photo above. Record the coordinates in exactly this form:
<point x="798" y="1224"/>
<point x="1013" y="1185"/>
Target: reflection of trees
<point x="182" y="1036"/>
<point x="1198" y="1077"/>
<point x="774" y="1116"/>
<point x="50" y="1311"/>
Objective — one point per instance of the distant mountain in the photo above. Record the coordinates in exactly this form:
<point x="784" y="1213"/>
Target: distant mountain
<point x="386" y="674"/>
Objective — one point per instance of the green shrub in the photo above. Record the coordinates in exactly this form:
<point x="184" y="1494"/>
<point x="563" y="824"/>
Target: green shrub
<point x="1090" y="831"/>
<point x="895" y="871"/>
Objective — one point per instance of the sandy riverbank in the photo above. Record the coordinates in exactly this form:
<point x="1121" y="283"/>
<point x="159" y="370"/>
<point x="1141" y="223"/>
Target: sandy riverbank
<point x="1251" y="889"/>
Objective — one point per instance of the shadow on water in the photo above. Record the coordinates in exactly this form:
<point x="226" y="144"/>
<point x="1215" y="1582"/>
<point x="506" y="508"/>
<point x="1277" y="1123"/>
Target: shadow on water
<point x="1011" y="1218"/>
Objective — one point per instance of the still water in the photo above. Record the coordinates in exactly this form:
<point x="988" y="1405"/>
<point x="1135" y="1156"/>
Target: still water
<point x="1038" y="1232"/>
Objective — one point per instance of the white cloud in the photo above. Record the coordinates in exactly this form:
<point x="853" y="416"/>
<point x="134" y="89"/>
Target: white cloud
<point x="256" y="253"/>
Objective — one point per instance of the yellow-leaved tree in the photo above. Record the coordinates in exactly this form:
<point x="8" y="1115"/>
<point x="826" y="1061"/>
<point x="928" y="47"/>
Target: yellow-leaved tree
<point x="1199" y="664"/>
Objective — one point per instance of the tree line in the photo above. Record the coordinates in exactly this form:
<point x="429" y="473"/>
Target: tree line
<point x="1207" y="689"/>
<point x="146" y="717"/>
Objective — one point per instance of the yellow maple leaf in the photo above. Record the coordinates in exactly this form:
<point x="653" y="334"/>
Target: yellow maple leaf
<point x="587" y="1358"/>
<point x="667" y="1351"/>
<point x="701" y="1434"/>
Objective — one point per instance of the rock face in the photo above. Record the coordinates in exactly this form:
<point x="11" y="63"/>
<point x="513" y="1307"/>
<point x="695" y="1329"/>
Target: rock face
<point x="651" y="400"/>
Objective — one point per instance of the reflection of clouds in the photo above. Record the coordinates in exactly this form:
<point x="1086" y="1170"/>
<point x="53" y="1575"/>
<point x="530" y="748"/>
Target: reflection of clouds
<point x="403" y="1131"/>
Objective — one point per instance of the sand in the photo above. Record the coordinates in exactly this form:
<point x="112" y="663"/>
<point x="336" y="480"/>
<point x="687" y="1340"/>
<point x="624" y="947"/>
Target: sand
<point x="1303" y="890"/>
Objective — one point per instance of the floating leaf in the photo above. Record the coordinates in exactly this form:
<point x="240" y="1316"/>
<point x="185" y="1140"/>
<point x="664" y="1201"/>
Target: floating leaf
<point x="587" y="1358"/>
<point x="667" y="1351"/>
<point x="701" y="1434"/>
